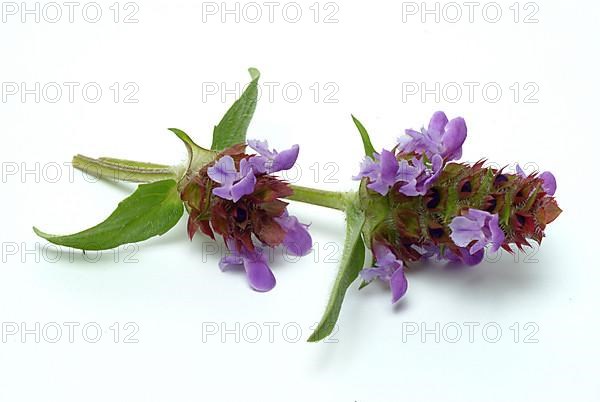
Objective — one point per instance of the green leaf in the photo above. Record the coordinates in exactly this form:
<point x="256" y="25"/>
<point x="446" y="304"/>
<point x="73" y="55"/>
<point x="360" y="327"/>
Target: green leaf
<point x="151" y="210"/>
<point x="197" y="156"/>
<point x="352" y="262"/>
<point x="232" y="128"/>
<point x="369" y="150"/>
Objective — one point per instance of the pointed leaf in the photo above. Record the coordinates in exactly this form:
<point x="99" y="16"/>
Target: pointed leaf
<point x="197" y="156"/>
<point x="232" y="128"/>
<point x="352" y="262"/>
<point x="151" y="210"/>
<point x="364" y="135"/>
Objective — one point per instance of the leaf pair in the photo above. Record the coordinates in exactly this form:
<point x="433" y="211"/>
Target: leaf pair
<point x="353" y="256"/>
<point x="154" y="208"/>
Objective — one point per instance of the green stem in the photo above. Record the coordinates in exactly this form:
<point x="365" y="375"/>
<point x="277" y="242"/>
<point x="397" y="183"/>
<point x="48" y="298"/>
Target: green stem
<point x="124" y="170"/>
<point x="142" y="172"/>
<point x="323" y="198"/>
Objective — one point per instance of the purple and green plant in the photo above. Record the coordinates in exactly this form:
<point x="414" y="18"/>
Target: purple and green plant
<point x="414" y="202"/>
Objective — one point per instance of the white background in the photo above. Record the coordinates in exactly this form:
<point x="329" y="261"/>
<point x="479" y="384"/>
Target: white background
<point x="175" y="290"/>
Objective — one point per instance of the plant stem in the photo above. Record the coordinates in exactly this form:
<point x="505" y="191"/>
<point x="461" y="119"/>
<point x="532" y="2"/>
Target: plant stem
<point x="330" y="199"/>
<point x="124" y="170"/>
<point x="142" y="172"/>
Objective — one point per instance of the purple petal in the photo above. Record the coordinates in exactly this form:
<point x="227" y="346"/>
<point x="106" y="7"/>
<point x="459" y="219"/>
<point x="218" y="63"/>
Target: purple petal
<point x="368" y="274"/>
<point x="414" y="134"/>
<point x="398" y="284"/>
<point x="520" y="171"/>
<point x="408" y="172"/>
<point x="228" y="261"/>
<point x="498" y="236"/>
<point x="453" y="138"/>
<point x="262" y="147"/>
<point x="478" y="226"/>
<point x="428" y="250"/>
<point x="223" y="171"/>
<point x="297" y="239"/>
<point x="245" y="168"/>
<point x="437" y="165"/>
<point x="243" y="187"/>
<point x="383" y="255"/>
<point x="258" y="164"/>
<point x="410" y="188"/>
<point x="259" y="274"/>
<point x="464" y="256"/>
<point x="549" y="183"/>
<point x="223" y="192"/>
<point x="471" y="259"/>
<point x="464" y="231"/>
<point x="379" y="187"/>
<point x="368" y="168"/>
<point x="285" y="160"/>
<point x="389" y="167"/>
<point x="478" y="215"/>
<point x="437" y="124"/>
<point x="385" y="173"/>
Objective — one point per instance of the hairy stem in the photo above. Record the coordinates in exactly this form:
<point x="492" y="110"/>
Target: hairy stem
<point x="142" y="172"/>
<point x="330" y="199"/>
<point x="124" y="170"/>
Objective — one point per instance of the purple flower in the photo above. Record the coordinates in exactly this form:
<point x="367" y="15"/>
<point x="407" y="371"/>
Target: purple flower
<point x="382" y="171"/>
<point x="430" y="250"/>
<point x="388" y="269"/>
<point x="548" y="183"/>
<point x="259" y="274"/>
<point x="418" y="177"/>
<point x="297" y="239"/>
<point x="442" y="137"/>
<point x="272" y="161"/>
<point x="548" y="180"/>
<point x="234" y="184"/>
<point x="478" y="226"/>
<point x="465" y="256"/>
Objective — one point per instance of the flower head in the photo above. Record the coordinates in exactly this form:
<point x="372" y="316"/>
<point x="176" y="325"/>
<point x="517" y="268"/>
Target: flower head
<point x="236" y="198"/>
<point x="442" y="137"/>
<point x="475" y="230"/>
<point x="388" y="268"/>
